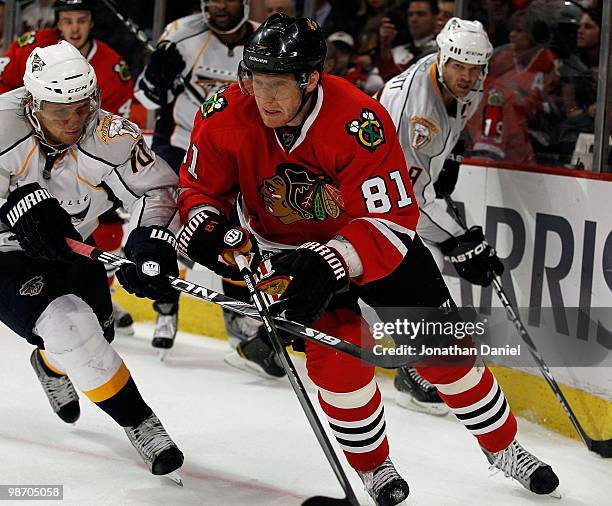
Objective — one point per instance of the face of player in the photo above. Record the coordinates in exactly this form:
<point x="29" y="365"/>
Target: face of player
<point x="588" y="32"/>
<point x="421" y="22"/>
<point x="520" y="40"/>
<point x="224" y="14"/>
<point x="279" y="97"/>
<point x="283" y="6"/>
<point x="64" y="123"/>
<point x="460" y="77"/>
<point x="75" y="27"/>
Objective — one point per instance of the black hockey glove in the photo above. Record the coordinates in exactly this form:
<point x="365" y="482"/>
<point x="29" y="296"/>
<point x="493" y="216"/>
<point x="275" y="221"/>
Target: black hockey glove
<point x="39" y="223"/>
<point x="307" y="277"/>
<point x="472" y="257"/>
<point x="211" y="241"/>
<point x="447" y="179"/>
<point x="153" y="251"/>
<point x="165" y="65"/>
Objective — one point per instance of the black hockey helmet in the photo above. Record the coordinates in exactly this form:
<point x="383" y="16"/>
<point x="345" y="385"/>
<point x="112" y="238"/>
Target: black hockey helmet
<point x="283" y="45"/>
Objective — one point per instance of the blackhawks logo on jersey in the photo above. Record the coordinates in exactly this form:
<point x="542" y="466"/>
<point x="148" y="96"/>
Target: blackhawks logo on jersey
<point x="422" y="131"/>
<point x="368" y="130"/>
<point x="296" y="193"/>
<point x="123" y="71"/>
<point x="26" y="39"/>
<point x="216" y="103"/>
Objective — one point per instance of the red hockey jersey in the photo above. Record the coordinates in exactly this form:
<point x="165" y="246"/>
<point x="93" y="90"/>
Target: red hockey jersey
<point x="114" y="77"/>
<point x="345" y="174"/>
<point x="514" y="98"/>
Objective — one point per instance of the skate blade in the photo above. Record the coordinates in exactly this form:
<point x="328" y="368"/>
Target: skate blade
<point x="175" y="477"/>
<point x="406" y="401"/>
<point x="556" y="494"/>
<point x="161" y="354"/>
<point x="235" y="360"/>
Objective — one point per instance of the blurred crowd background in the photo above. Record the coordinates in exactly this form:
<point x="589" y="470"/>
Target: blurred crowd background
<point x="540" y="104"/>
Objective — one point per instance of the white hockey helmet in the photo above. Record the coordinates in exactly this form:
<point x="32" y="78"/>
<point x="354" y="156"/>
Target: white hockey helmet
<point x="464" y="41"/>
<point x="246" y="8"/>
<point x="60" y="74"/>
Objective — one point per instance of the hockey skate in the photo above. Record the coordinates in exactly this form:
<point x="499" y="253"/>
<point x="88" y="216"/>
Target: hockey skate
<point x="59" y="390"/>
<point x="158" y="451"/>
<point x="516" y="462"/>
<point x="166" y="326"/>
<point x="256" y="356"/>
<point x="416" y="393"/>
<point x="124" y="324"/>
<point x="385" y="485"/>
<point x="239" y="328"/>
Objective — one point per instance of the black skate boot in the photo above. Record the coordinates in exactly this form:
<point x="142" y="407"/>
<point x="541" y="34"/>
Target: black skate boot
<point x="385" y="485"/>
<point x="166" y="326"/>
<point x="516" y="462"/>
<point x="257" y="356"/>
<point x="154" y="445"/>
<point x="59" y="390"/>
<point x="124" y="323"/>
<point x="416" y="393"/>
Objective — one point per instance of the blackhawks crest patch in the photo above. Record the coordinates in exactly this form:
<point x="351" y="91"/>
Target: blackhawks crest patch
<point x="368" y="130"/>
<point x="215" y="103"/>
<point x="296" y="193"/>
<point x="26" y="39"/>
<point x="123" y="71"/>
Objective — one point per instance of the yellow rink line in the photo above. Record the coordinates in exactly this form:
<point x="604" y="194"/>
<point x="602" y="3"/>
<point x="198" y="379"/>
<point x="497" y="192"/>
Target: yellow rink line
<point x="529" y="395"/>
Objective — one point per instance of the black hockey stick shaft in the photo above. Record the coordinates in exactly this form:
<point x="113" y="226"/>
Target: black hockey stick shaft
<point x="135" y="30"/>
<point x="601" y="447"/>
<point x="296" y="382"/>
<point x="246" y="309"/>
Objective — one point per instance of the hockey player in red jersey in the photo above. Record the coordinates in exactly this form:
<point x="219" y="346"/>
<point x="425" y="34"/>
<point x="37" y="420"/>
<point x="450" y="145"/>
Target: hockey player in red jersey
<point x="323" y="190"/>
<point x="74" y="23"/>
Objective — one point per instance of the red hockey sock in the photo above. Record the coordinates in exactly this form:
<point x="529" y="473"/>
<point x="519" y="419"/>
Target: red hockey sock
<point x="476" y="399"/>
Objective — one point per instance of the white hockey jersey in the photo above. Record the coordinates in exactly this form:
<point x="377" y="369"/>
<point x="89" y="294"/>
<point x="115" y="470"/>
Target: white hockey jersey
<point x="209" y="66"/>
<point x="110" y="163"/>
<point x="427" y="134"/>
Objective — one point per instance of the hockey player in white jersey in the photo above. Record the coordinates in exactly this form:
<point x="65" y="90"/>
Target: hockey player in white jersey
<point x="430" y="103"/>
<point x="205" y="49"/>
<point x="63" y="162"/>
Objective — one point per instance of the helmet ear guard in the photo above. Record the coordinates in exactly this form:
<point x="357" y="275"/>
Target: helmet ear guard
<point x="466" y="42"/>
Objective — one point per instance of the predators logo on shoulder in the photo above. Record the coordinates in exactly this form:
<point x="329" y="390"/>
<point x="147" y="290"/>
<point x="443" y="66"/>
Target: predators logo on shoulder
<point x="112" y="127"/>
<point x="215" y="103"/>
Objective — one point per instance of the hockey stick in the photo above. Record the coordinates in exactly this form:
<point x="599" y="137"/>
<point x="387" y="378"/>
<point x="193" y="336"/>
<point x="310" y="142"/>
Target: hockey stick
<point x="602" y="447"/>
<point x="245" y="309"/>
<point x="300" y="392"/>
<point x="134" y="29"/>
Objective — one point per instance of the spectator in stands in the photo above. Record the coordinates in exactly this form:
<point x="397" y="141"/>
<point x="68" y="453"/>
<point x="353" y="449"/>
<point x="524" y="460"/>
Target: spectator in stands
<point x="422" y="24"/>
<point x="520" y="95"/>
<point x="284" y="6"/>
<point x="494" y="16"/>
<point x="446" y="10"/>
<point x="339" y="62"/>
<point x="332" y="18"/>
<point x="579" y="76"/>
<point x="369" y="18"/>
<point x="37" y="14"/>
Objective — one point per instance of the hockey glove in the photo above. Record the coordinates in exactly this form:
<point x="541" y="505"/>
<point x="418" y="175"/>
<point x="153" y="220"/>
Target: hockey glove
<point x="39" y="223"/>
<point x="447" y="179"/>
<point x="153" y="251"/>
<point x="211" y="241"/>
<point x="472" y="257"/>
<point x="165" y="65"/>
<point x="308" y="277"/>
